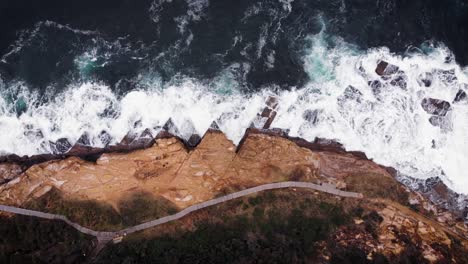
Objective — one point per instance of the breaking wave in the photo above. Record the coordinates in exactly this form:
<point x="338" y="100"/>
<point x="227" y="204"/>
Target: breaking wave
<point x="345" y="100"/>
<point x="344" y="97"/>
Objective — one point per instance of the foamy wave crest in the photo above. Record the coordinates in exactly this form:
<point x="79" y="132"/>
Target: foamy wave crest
<point x="92" y="108"/>
<point x="348" y="101"/>
<point x="345" y="100"/>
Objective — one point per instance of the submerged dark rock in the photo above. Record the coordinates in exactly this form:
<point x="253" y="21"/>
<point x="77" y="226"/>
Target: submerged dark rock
<point x="400" y="80"/>
<point x="311" y="116"/>
<point x="193" y="141"/>
<point x="376" y="87"/>
<point x="133" y="141"/>
<point x="351" y="93"/>
<point x="435" y="106"/>
<point x="460" y="96"/>
<point x="61" y="146"/>
<point x="105" y="138"/>
<point x="84" y="140"/>
<point x="440" y="121"/>
<point x="426" y="79"/>
<point x="214" y="126"/>
<point x="170" y="127"/>
<point x="385" y="69"/>
<point x="446" y="76"/>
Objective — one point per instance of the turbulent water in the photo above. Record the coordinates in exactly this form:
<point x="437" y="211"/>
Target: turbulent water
<point x="198" y="61"/>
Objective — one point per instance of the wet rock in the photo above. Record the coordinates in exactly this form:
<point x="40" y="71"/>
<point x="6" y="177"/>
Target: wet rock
<point x="311" y="116"/>
<point x="272" y="102"/>
<point x="442" y="122"/>
<point x="34" y="133"/>
<point x="426" y="79"/>
<point x="214" y="126"/>
<point x="376" y="87"/>
<point x="435" y="106"/>
<point x="193" y="141"/>
<point x="105" y="138"/>
<point x="264" y="119"/>
<point x="170" y="127"/>
<point x="400" y="80"/>
<point x="269" y="115"/>
<point x="460" y="96"/>
<point x="385" y="69"/>
<point x="83" y="148"/>
<point x="351" y="93"/>
<point x="447" y="76"/>
<point x="61" y="146"/>
<point x="128" y="139"/>
<point x="132" y="141"/>
<point x="137" y="124"/>
<point x="84" y="140"/>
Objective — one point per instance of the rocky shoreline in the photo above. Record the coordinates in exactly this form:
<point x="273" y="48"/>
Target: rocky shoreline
<point x="118" y="189"/>
<point x="434" y="189"/>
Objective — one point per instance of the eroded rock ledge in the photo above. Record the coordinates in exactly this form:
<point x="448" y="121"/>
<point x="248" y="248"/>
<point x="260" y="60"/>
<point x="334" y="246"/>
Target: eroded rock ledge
<point x="173" y="177"/>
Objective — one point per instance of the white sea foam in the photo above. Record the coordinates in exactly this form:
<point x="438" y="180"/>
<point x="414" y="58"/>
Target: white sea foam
<point x="93" y="108"/>
<point x="389" y="126"/>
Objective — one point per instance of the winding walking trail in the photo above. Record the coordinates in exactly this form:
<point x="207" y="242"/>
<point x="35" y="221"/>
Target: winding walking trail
<point x="104" y="237"/>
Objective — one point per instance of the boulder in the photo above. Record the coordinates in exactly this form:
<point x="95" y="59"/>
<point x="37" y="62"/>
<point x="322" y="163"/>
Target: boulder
<point x="460" y="96"/>
<point x="435" y="106"/>
<point x="386" y="69"/>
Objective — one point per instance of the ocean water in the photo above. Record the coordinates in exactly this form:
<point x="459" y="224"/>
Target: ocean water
<point x="194" y="62"/>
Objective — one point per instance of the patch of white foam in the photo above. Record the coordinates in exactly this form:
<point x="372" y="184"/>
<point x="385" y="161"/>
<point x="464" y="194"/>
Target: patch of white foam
<point x="94" y="108"/>
<point x="391" y="127"/>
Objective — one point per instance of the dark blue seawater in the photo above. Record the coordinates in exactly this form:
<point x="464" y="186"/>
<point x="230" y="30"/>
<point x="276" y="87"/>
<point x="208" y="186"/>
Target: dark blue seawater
<point x="105" y="68"/>
<point x="157" y="32"/>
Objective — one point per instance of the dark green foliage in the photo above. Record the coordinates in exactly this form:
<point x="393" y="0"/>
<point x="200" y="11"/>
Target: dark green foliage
<point x="268" y="234"/>
<point x="377" y="186"/>
<point x="32" y="240"/>
<point x="134" y="209"/>
<point x="142" y="207"/>
<point x="99" y="216"/>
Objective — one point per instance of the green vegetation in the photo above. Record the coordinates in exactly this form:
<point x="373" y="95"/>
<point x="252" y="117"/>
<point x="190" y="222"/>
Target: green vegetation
<point x="134" y="209"/>
<point x="33" y="240"/>
<point x="142" y="207"/>
<point x="270" y="227"/>
<point x="377" y="186"/>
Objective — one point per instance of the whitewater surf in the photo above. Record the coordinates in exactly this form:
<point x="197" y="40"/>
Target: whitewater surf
<point x="328" y="88"/>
